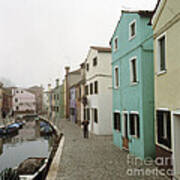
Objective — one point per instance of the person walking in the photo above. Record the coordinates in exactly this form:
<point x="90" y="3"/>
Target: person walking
<point x="85" y="124"/>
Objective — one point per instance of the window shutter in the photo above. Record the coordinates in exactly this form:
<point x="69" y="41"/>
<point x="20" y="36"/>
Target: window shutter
<point x="138" y="126"/>
<point x="169" y="129"/>
<point x="132" y="125"/>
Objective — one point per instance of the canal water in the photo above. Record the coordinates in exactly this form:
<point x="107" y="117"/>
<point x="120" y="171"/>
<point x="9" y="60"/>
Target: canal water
<point x="26" y="143"/>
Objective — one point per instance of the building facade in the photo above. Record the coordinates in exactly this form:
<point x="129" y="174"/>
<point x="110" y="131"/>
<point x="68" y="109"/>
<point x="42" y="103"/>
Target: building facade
<point x="133" y="85"/>
<point x="166" y="26"/>
<point x="98" y="90"/>
<point x="38" y="92"/>
<point x="23" y="101"/>
<point x="71" y="78"/>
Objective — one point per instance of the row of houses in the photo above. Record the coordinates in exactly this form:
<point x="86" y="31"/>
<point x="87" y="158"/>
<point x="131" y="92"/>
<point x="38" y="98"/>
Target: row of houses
<point x="21" y="100"/>
<point x="131" y="90"/>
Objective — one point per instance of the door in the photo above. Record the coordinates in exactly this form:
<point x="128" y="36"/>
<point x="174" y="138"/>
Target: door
<point x="176" y="143"/>
<point x="125" y="134"/>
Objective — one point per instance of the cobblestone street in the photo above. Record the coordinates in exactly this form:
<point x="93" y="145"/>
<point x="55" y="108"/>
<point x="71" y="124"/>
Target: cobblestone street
<point x="95" y="158"/>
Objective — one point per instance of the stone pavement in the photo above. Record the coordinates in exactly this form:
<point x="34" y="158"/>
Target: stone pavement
<point x="95" y="158"/>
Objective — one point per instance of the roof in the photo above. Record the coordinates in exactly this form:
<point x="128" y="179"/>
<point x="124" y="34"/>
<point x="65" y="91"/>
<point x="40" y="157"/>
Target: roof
<point x="155" y="9"/>
<point x="143" y="13"/>
<point x="101" y="49"/>
<point x="78" y="71"/>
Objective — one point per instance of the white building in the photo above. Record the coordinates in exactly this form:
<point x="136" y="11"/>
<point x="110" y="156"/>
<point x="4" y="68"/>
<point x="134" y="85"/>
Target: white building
<point x="23" y="100"/>
<point x="98" y="89"/>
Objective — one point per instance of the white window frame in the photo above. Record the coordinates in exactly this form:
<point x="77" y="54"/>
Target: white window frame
<point x="117" y="111"/>
<point x="114" y="44"/>
<point x="156" y="135"/>
<point x="123" y="129"/>
<point x="115" y="79"/>
<point x="130" y="24"/>
<point x="159" y="71"/>
<point x="135" y="126"/>
<point x="131" y="70"/>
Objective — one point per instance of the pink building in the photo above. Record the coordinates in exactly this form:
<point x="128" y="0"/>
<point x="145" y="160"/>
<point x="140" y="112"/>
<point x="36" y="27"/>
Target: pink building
<point x="23" y="101"/>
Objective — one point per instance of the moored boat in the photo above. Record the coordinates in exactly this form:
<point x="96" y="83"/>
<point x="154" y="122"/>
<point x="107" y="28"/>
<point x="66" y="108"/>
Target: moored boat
<point x="32" y="168"/>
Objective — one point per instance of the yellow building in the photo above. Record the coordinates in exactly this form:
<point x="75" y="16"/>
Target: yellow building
<point x="166" y="26"/>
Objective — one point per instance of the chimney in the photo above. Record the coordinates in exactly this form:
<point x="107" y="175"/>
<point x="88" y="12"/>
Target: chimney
<point x="67" y="68"/>
<point x="57" y="82"/>
<point x="49" y="87"/>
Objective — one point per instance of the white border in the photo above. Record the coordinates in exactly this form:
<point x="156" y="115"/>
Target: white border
<point x="117" y="111"/>
<point x="130" y="70"/>
<point x="156" y="129"/>
<point x="115" y="49"/>
<point x="123" y="129"/>
<point x="132" y="37"/>
<point x="159" y="72"/>
<point x="116" y="87"/>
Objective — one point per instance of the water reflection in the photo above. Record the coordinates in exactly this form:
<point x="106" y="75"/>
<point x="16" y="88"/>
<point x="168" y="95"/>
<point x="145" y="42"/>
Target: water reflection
<point x="1" y="146"/>
<point x="26" y="143"/>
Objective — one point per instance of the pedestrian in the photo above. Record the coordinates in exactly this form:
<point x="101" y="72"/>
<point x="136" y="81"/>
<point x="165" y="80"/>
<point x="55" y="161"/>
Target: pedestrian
<point x="85" y="124"/>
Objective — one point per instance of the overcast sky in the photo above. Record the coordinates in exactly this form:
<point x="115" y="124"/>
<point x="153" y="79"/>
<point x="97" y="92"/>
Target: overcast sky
<point x="39" y="37"/>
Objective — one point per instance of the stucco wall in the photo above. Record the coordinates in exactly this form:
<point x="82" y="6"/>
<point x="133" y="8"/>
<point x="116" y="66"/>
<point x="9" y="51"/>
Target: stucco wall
<point x="167" y="85"/>
<point x="103" y="100"/>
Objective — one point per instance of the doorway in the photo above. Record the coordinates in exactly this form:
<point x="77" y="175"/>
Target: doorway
<point x="176" y="143"/>
<point x="125" y="131"/>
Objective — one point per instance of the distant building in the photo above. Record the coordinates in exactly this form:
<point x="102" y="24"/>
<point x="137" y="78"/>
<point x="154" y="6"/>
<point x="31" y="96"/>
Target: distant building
<point x="1" y="95"/>
<point x="38" y="92"/>
<point x="23" y="101"/>
<point x="7" y="100"/>
<point x="76" y="97"/>
<point x="71" y="78"/>
<point x="98" y="90"/>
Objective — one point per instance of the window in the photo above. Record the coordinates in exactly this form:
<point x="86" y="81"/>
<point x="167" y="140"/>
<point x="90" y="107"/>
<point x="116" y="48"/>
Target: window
<point x="72" y="111"/>
<point x="21" y="92"/>
<point x="95" y="61"/>
<point x="87" y="67"/>
<point x="96" y="87"/>
<point x="115" y="43"/>
<point x="117" y="121"/>
<point x="57" y="108"/>
<point x="88" y="114"/>
<point x="164" y="128"/>
<point x="95" y="114"/>
<point x="133" y="70"/>
<point x="16" y="99"/>
<point x="116" y="77"/>
<point x="86" y="90"/>
<point x="162" y="54"/>
<point x="132" y="29"/>
<point x="134" y="125"/>
<point x="17" y="92"/>
<point x="91" y="88"/>
<point x="57" y="96"/>
<point x="85" y="114"/>
<point x="17" y="108"/>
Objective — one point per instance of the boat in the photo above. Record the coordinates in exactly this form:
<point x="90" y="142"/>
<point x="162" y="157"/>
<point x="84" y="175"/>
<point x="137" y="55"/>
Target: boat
<point x="46" y="130"/>
<point x="32" y="168"/>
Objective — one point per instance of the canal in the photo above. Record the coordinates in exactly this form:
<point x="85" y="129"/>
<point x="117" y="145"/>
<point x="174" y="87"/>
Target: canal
<point x="27" y="142"/>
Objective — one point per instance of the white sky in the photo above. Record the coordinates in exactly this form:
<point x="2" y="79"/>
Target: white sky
<point x="39" y="37"/>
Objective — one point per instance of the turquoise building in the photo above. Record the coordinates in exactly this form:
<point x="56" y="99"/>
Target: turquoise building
<point x="133" y="84"/>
